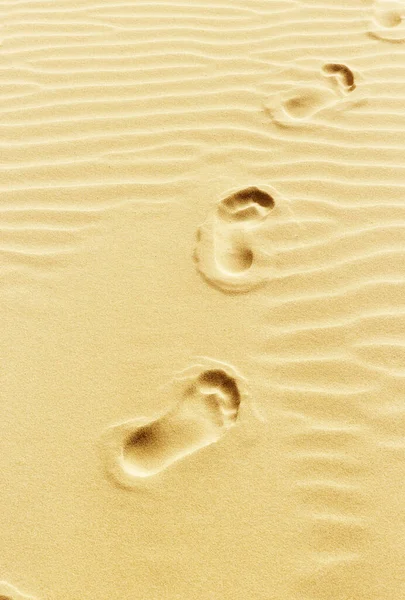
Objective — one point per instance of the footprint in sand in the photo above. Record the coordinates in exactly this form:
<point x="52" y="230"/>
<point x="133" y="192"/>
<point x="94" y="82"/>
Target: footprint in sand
<point x="208" y="397"/>
<point x="225" y="252"/>
<point x="341" y="75"/>
<point x="388" y="21"/>
<point x="300" y="103"/>
<point x="9" y="592"/>
<point x="303" y="103"/>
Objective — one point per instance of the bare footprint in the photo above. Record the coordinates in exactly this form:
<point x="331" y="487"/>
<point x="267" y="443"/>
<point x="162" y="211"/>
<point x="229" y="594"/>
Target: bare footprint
<point x="342" y="75"/>
<point x="250" y="204"/>
<point x="300" y="103"/>
<point x="9" y="592"/>
<point x="387" y="21"/>
<point x="208" y="400"/>
<point x="225" y="252"/>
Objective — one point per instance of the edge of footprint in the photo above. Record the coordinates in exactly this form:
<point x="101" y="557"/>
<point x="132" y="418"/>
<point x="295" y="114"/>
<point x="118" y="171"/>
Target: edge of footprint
<point x="11" y="592"/>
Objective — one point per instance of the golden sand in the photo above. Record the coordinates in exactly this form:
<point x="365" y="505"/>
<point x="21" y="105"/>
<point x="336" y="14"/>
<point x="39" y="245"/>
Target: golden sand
<point x="202" y="235"/>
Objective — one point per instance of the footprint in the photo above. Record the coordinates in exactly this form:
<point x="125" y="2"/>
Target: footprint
<point x="387" y="22"/>
<point x="300" y="103"/>
<point x="342" y="75"/>
<point x="225" y="252"/>
<point x="250" y="204"/>
<point x="9" y="592"/>
<point x="310" y="96"/>
<point x="208" y="400"/>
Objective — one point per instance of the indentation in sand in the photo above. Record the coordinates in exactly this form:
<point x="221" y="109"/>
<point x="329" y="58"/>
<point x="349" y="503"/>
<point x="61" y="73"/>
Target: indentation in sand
<point x="9" y="592"/>
<point x="387" y="21"/>
<point x="305" y="102"/>
<point x="249" y="205"/>
<point x="207" y="400"/>
<point x="313" y="92"/>
<point x="226" y="254"/>
<point x="342" y="74"/>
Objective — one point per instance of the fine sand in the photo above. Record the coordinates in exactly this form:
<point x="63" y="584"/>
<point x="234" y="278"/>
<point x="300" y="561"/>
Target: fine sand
<point x="202" y="245"/>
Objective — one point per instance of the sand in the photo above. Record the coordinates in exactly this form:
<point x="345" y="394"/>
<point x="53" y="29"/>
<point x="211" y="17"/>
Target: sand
<point x="202" y="235"/>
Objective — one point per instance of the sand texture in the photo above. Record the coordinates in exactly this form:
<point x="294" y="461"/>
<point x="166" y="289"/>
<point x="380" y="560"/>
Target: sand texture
<point x="202" y="246"/>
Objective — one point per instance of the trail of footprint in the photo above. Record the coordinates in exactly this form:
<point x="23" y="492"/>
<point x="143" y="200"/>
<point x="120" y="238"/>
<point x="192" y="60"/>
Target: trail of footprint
<point x="208" y="400"/>
<point x="225" y="252"/>
<point x="387" y="22"/>
<point x="9" y="592"/>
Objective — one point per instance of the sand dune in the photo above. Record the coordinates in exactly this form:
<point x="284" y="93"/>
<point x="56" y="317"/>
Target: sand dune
<point x="214" y="179"/>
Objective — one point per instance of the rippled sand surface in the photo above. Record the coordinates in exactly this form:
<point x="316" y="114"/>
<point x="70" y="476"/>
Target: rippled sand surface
<point x="202" y="258"/>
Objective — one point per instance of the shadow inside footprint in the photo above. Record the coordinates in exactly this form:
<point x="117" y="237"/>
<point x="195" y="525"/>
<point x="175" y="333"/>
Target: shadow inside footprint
<point x="388" y="19"/>
<point x="238" y="259"/>
<point x="343" y="75"/>
<point x="213" y="380"/>
<point x="208" y="406"/>
<point x="306" y="102"/>
<point x="249" y="204"/>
